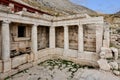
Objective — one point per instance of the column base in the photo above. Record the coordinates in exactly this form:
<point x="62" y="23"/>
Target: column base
<point x="30" y="57"/>
<point x="6" y="65"/>
<point x="1" y="66"/>
<point x="35" y="57"/>
<point x="79" y="54"/>
<point x="65" y="53"/>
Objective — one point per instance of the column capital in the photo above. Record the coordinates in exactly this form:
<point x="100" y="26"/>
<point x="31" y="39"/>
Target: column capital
<point x="36" y="24"/>
<point x="52" y="26"/>
<point x="65" y="26"/>
<point x="6" y="22"/>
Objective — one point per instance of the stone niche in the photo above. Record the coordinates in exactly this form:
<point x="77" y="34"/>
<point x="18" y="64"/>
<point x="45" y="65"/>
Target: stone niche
<point x="59" y="37"/>
<point x="73" y="37"/>
<point x="0" y="42"/>
<point x="43" y="37"/>
<point x="20" y="37"/>
<point x="89" y="38"/>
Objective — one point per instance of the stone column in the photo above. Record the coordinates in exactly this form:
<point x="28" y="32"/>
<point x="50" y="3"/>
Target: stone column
<point x="52" y="37"/>
<point x="66" y="38"/>
<point x="99" y="37"/>
<point x="5" y="31"/>
<point x="80" y="39"/>
<point x="34" y="39"/>
<point x="106" y="41"/>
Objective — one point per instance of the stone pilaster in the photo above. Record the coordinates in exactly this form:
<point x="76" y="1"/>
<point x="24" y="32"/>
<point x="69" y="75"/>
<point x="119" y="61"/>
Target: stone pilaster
<point x="99" y="37"/>
<point x="66" y="38"/>
<point x="34" y="45"/>
<point x="80" y="39"/>
<point x="5" y="31"/>
<point x="52" y="37"/>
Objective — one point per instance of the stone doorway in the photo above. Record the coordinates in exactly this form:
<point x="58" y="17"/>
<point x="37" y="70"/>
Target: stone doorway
<point x="59" y="37"/>
<point x="43" y="37"/>
<point x="89" y="38"/>
<point x="73" y="37"/>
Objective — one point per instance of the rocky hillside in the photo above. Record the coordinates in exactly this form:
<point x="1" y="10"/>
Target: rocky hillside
<point x="57" y="7"/>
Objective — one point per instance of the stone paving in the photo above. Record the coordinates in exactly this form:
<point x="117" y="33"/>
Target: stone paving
<point x="62" y="70"/>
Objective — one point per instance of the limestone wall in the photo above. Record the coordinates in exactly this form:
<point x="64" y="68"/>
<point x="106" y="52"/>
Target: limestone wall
<point x="19" y="45"/>
<point x="43" y="37"/>
<point x="0" y="41"/>
<point x="59" y="37"/>
<point x="89" y="38"/>
<point x="73" y="37"/>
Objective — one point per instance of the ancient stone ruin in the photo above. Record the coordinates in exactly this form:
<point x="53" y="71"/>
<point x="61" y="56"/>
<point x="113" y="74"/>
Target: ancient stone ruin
<point x="29" y="36"/>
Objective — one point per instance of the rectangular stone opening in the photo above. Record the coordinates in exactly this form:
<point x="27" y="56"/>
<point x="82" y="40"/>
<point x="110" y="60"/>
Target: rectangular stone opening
<point x="73" y="37"/>
<point x="21" y="31"/>
<point x="89" y="38"/>
<point x="43" y="37"/>
<point x="59" y="37"/>
<point x="20" y="38"/>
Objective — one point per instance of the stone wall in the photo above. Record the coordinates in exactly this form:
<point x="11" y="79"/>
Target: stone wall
<point x="59" y="37"/>
<point x="0" y="41"/>
<point x="43" y="37"/>
<point x="89" y="38"/>
<point x="73" y="37"/>
<point x="19" y="45"/>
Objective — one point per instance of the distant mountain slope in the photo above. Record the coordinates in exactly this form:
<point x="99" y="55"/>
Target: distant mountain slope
<point x="57" y="7"/>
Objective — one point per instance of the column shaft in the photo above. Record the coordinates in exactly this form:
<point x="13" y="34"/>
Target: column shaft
<point x="66" y="38"/>
<point x="80" y="39"/>
<point x="99" y="37"/>
<point x="5" y="31"/>
<point x="52" y="37"/>
<point x="34" y="39"/>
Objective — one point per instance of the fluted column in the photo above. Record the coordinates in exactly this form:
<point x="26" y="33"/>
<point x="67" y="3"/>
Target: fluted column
<point x="34" y="39"/>
<point x="5" y="31"/>
<point x="52" y="37"/>
<point x="66" y="38"/>
<point x="80" y="39"/>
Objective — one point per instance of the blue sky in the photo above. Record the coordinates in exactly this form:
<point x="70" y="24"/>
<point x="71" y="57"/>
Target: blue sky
<point x="103" y="6"/>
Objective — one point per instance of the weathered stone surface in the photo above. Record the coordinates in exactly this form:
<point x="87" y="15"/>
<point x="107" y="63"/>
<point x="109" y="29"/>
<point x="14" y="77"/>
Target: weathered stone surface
<point x="7" y="65"/>
<point x="30" y="57"/>
<point x="115" y="52"/>
<point x="108" y="52"/>
<point x="116" y="72"/>
<point x="114" y="65"/>
<point x="103" y="64"/>
<point x="102" y="55"/>
<point x="19" y="60"/>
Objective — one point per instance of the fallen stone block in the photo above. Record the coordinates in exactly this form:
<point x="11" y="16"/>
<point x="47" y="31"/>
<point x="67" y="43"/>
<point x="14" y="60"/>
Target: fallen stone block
<point x="103" y="64"/>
